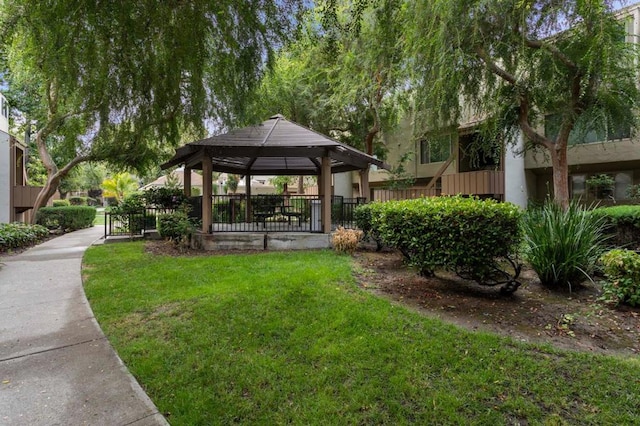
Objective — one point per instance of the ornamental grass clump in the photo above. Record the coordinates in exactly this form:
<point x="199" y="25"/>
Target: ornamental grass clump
<point x="563" y="245"/>
<point x="346" y="240"/>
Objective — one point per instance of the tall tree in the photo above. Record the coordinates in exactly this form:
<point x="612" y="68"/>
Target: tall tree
<point x="117" y="81"/>
<point x="516" y="61"/>
<point x="366" y="73"/>
<point x="343" y="74"/>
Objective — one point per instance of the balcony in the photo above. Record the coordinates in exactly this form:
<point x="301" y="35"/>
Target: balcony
<point x="483" y="182"/>
<point x="24" y="197"/>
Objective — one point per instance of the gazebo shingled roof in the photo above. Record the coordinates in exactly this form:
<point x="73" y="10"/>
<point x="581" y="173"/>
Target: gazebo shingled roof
<point x="277" y="146"/>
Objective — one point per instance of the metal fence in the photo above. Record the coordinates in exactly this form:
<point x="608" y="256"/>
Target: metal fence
<point x="273" y="213"/>
<point x="266" y="213"/>
<point x="132" y="224"/>
<point x="279" y="213"/>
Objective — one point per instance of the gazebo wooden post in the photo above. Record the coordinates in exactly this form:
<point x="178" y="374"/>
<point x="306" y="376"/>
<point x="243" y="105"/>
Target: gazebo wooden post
<point x="247" y="185"/>
<point x="325" y="195"/>
<point x="187" y="182"/>
<point x="207" y="183"/>
<point x="364" y="183"/>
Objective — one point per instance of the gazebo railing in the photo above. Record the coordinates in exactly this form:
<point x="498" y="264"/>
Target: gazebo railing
<point x="278" y="213"/>
<point x="267" y="213"/>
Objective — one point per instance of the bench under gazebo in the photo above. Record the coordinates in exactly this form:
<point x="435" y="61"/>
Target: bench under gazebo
<point x="277" y="147"/>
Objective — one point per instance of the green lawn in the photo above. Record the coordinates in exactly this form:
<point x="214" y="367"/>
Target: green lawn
<point x="99" y="220"/>
<point x="288" y="337"/>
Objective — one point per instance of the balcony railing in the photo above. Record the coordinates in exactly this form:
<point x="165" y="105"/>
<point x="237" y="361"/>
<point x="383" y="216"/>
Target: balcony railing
<point x="483" y="182"/>
<point x="24" y="197"/>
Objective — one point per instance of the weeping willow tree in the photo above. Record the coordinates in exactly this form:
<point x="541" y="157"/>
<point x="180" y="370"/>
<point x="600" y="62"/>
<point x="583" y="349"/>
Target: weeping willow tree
<point x="515" y="62"/>
<point x="343" y="75"/>
<point x="118" y="81"/>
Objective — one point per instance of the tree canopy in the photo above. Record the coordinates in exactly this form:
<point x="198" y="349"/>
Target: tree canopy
<point x="514" y="62"/>
<point x="343" y="74"/>
<point x="117" y="81"/>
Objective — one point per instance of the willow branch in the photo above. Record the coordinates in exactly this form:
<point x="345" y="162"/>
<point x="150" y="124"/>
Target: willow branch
<point x="494" y="68"/>
<point x="537" y="44"/>
<point x="529" y="132"/>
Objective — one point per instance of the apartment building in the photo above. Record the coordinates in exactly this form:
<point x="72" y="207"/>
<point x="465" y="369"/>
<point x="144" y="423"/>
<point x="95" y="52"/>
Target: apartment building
<point x="16" y="196"/>
<point x="507" y="174"/>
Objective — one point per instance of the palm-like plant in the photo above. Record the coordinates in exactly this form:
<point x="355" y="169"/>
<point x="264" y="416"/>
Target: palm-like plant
<point x="119" y="186"/>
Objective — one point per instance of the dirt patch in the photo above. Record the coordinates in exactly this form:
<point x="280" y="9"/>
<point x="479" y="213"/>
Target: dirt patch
<point x="575" y="320"/>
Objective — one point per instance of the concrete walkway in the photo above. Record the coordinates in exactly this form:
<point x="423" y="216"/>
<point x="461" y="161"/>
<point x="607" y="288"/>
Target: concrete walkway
<point x="56" y="366"/>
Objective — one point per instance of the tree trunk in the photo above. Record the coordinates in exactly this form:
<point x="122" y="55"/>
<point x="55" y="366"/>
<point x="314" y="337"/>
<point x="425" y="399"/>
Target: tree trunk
<point x="50" y="188"/>
<point x="560" y="176"/>
<point x="54" y="175"/>
<point x="53" y="180"/>
<point x="300" y="185"/>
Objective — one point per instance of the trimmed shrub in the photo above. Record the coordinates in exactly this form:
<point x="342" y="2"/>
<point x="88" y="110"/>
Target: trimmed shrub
<point x="563" y="246"/>
<point x="61" y="203"/>
<point x="622" y="270"/>
<point x="77" y="200"/>
<point x="176" y="227"/>
<point x="346" y="240"/>
<point x="465" y="235"/>
<point x="363" y="218"/>
<point x="69" y="218"/>
<point x="622" y="223"/>
<point x="18" y="235"/>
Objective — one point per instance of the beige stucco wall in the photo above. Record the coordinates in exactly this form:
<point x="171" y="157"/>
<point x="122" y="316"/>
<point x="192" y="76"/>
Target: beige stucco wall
<point x="402" y="140"/>
<point x="624" y="150"/>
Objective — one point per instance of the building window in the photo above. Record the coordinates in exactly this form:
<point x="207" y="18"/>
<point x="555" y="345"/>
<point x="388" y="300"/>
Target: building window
<point x="435" y="149"/>
<point x="578" y="185"/>
<point x="579" y="136"/>
<point x="4" y="107"/>
<point x="624" y="180"/>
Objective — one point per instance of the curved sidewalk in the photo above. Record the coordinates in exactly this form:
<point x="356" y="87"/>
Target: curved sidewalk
<point x="56" y="366"/>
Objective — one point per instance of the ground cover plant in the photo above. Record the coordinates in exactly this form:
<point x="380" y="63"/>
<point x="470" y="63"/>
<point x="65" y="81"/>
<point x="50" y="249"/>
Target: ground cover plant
<point x="622" y="270"/>
<point x="20" y="235"/>
<point x="289" y="337"/>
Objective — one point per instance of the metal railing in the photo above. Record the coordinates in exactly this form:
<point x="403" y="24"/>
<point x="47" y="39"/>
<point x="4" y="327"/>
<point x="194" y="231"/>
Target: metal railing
<point x="266" y="213"/>
<point x="132" y="224"/>
<point x="272" y="213"/>
<point x="279" y="213"/>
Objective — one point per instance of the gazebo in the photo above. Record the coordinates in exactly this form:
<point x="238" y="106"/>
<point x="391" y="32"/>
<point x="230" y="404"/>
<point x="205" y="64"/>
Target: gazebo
<point x="276" y="146"/>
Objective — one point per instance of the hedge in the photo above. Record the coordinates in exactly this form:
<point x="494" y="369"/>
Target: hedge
<point x="61" y="203"/>
<point x="465" y="235"/>
<point x="18" y="235"/>
<point x="68" y="218"/>
<point x="363" y="217"/>
<point x="77" y="200"/>
<point x="623" y="224"/>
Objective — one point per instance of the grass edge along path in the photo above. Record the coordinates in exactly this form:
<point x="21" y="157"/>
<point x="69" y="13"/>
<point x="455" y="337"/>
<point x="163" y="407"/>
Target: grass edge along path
<point x="288" y="337"/>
